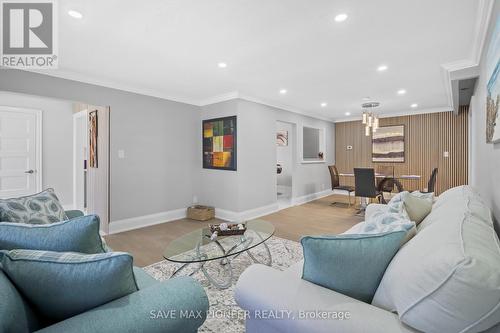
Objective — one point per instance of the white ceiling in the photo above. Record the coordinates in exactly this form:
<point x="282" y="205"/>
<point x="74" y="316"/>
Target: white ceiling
<point x="171" y="49"/>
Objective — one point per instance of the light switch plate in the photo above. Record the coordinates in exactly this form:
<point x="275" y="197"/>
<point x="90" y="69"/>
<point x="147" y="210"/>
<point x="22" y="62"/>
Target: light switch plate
<point x="446" y="154"/>
<point x="121" y="153"/>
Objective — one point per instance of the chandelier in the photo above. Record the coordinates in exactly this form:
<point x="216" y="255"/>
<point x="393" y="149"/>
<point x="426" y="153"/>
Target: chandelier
<point x="370" y="119"/>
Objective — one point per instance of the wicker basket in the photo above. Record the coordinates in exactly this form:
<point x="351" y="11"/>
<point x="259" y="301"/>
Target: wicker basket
<point x="201" y="213"/>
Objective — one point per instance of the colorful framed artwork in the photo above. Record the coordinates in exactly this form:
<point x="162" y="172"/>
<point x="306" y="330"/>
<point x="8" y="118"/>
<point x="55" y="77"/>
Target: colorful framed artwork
<point x="282" y="138"/>
<point x="388" y="144"/>
<point x="219" y="143"/>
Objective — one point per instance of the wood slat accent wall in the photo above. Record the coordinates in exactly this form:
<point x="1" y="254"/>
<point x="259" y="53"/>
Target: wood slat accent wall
<point x="427" y="137"/>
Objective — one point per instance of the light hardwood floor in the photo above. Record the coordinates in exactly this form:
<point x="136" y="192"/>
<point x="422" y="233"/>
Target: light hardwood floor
<point x="317" y="217"/>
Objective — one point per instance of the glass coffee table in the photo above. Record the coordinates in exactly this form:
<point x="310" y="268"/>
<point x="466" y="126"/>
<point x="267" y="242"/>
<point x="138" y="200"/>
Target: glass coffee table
<point x="196" y="248"/>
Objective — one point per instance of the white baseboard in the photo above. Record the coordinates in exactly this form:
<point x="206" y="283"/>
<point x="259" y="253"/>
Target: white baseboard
<point x="232" y="216"/>
<point x="310" y="197"/>
<point x="146" y="220"/>
<point x="223" y="214"/>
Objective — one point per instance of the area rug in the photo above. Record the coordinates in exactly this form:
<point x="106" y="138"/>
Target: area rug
<point x="221" y="317"/>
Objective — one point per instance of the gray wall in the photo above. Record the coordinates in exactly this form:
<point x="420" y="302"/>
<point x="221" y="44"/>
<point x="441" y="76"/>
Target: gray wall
<point x="160" y="139"/>
<point x="162" y="169"/>
<point x="253" y="185"/>
<point x="57" y="140"/>
<point x="218" y="188"/>
<point x="486" y="157"/>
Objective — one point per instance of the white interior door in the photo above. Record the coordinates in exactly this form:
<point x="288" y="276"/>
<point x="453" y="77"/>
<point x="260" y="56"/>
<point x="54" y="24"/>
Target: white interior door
<point x="20" y="152"/>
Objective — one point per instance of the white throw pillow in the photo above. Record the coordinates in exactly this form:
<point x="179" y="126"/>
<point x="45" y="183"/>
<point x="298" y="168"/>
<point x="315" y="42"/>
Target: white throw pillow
<point x="447" y="279"/>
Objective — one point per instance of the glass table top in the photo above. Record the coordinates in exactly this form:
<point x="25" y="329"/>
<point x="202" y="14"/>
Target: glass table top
<point x="197" y="246"/>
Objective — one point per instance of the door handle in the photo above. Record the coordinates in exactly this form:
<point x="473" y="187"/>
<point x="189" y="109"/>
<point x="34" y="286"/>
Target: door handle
<point x="30" y="171"/>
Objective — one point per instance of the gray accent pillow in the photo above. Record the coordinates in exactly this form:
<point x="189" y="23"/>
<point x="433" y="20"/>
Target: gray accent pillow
<point x="80" y="234"/>
<point x="40" y="208"/>
<point x="60" y="285"/>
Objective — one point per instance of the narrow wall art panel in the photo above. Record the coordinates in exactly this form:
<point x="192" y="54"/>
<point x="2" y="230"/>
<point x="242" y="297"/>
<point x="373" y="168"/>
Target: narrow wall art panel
<point x="93" y="139"/>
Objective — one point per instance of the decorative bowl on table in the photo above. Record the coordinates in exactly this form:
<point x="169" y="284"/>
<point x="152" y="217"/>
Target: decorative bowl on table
<point x="228" y="229"/>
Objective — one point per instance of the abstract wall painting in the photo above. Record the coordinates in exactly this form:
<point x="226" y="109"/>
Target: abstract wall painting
<point x="388" y="144"/>
<point x="93" y="139"/>
<point x="282" y="138"/>
<point x="219" y="143"/>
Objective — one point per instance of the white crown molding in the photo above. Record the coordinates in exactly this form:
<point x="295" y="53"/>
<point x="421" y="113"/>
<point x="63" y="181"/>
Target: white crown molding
<point x="69" y="75"/>
<point x="284" y="107"/>
<point x="467" y="68"/>
<point x="483" y="17"/>
<point x="220" y="98"/>
<point x="451" y="70"/>
<point x="237" y="95"/>
<point x="401" y="114"/>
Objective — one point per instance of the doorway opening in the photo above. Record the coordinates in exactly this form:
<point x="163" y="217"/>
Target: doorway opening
<point x="91" y="161"/>
<point x="285" y="162"/>
<point x="46" y="143"/>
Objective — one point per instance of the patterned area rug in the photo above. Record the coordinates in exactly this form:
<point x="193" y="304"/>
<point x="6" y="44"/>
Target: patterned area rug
<point x="222" y="304"/>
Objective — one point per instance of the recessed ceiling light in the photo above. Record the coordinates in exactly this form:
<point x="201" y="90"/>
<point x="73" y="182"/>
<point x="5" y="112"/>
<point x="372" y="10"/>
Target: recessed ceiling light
<point x="367" y="98"/>
<point x="222" y="65"/>
<point x="341" y="17"/>
<point x="323" y="104"/>
<point x="75" y="14"/>
<point x="283" y="91"/>
<point x="414" y="105"/>
<point x="347" y="113"/>
<point x="401" y="92"/>
<point x="382" y="68"/>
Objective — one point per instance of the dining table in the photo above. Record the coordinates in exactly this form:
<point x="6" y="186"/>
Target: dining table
<point x="385" y="178"/>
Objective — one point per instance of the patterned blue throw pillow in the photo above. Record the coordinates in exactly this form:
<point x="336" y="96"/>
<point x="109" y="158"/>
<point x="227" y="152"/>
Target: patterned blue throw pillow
<point x="40" y="208"/>
<point x="60" y="285"/>
<point x="80" y="234"/>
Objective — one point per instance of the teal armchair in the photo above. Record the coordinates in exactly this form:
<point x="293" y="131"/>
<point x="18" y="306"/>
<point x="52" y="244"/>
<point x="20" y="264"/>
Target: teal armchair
<point x="145" y="311"/>
<point x="141" y="311"/>
<point x="177" y="305"/>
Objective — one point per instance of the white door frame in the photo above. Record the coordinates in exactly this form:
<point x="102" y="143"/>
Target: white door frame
<point x="83" y="113"/>
<point x="38" y="137"/>
<point x="294" y="151"/>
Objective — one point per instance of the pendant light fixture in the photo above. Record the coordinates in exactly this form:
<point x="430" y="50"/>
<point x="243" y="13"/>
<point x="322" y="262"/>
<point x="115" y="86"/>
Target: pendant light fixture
<point x="370" y="119"/>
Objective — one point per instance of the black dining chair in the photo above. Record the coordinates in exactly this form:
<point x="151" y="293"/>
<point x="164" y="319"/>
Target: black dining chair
<point x="432" y="182"/>
<point x="334" y="175"/>
<point x="364" y="184"/>
<point x="386" y="185"/>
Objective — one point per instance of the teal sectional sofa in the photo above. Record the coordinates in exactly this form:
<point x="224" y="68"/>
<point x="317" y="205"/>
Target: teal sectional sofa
<point x="176" y="305"/>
